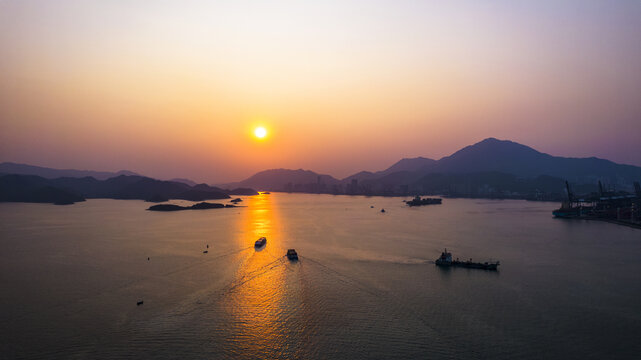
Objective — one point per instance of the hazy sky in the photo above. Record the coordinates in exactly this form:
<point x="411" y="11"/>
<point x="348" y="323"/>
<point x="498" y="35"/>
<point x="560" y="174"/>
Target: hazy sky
<point x="175" y="88"/>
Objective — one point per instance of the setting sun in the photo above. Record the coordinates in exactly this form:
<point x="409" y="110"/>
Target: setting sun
<point x="260" y="132"/>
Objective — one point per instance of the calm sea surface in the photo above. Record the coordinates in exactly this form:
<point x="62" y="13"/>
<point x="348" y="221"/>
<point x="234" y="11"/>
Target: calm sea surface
<point x="365" y="287"/>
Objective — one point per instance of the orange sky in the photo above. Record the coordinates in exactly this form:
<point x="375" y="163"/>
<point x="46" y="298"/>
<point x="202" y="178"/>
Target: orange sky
<point x="175" y="88"/>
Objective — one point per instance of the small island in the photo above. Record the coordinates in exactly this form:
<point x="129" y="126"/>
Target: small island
<point x="199" y="206"/>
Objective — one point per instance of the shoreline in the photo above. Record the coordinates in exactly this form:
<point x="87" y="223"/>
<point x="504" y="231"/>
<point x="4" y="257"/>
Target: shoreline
<point x="619" y="222"/>
<point x="612" y="221"/>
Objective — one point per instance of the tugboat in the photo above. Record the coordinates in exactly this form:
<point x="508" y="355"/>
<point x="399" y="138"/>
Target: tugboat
<point x="292" y="255"/>
<point x="446" y="260"/>
<point x="260" y="242"/>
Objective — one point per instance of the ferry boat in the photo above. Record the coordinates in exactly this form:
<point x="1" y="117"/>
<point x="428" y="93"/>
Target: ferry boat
<point x="445" y="260"/>
<point x="292" y="255"/>
<point x="260" y="242"/>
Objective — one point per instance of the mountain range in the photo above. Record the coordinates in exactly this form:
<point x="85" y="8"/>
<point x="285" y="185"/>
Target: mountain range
<point x="67" y="190"/>
<point x="490" y="165"/>
<point x="49" y="173"/>
<point x="489" y="168"/>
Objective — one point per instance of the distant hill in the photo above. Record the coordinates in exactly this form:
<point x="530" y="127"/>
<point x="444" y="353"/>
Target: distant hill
<point x="138" y="187"/>
<point x="49" y="173"/>
<point x="409" y="164"/>
<point x="495" y="167"/>
<point x="360" y="176"/>
<point x="406" y="164"/>
<point x="32" y="188"/>
<point x="509" y="157"/>
<point x="242" y="191"/>
<point x="184" y="181"/>
<point x="281" y="179"/>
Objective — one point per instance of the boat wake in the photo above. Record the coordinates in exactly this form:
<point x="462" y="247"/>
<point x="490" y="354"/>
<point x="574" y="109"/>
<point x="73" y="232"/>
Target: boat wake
<point x="249" y="276"/>
<point x="368" y="256"/>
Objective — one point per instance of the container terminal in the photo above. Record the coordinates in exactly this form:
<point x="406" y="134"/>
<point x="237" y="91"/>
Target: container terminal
<point x="617" y="207"/>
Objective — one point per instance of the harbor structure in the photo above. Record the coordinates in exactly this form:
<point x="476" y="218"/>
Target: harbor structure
<point x="619" y="207"/>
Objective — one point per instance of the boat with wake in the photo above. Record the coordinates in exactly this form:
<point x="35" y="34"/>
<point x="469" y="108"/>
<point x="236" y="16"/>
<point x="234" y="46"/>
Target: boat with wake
<point x="445" y="260"/>
<point x="292" y="255"/>
<point x="260" y="242"/>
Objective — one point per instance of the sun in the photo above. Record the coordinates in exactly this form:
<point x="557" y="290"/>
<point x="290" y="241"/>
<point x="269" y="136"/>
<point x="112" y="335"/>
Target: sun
<point x="260" y="132"/>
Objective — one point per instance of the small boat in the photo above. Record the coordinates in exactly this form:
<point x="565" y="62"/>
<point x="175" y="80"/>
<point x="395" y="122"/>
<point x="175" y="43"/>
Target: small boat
<point x="139" y="303"/>
<point x="205" y="252"/>
<point x="292" y="255"/>
<point x="260" y="242"/>
<point x="382" y="210"/>
<point x="236" y="200"/>
<point x="445" y="260"/>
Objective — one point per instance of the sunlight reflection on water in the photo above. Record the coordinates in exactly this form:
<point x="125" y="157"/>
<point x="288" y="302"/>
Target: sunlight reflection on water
<point x="365" y="285"/>
<point x="255" y="297"/>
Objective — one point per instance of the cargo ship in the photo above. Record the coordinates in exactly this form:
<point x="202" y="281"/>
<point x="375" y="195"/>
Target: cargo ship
<point x="445" y="260"/>
<point x="417" y="201"/>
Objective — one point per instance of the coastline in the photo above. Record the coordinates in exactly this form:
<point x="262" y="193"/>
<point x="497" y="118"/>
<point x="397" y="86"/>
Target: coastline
<point x="612" y="221"/>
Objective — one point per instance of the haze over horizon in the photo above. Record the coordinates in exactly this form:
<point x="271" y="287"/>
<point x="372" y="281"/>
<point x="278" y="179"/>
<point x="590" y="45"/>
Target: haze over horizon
<point x="175" y="89"/>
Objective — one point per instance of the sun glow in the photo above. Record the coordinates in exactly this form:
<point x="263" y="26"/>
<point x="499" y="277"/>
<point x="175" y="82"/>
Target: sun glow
<point x="260" y="132"/>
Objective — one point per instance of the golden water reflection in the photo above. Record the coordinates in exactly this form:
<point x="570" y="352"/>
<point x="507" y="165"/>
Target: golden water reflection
<point x="256" y="298"/>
